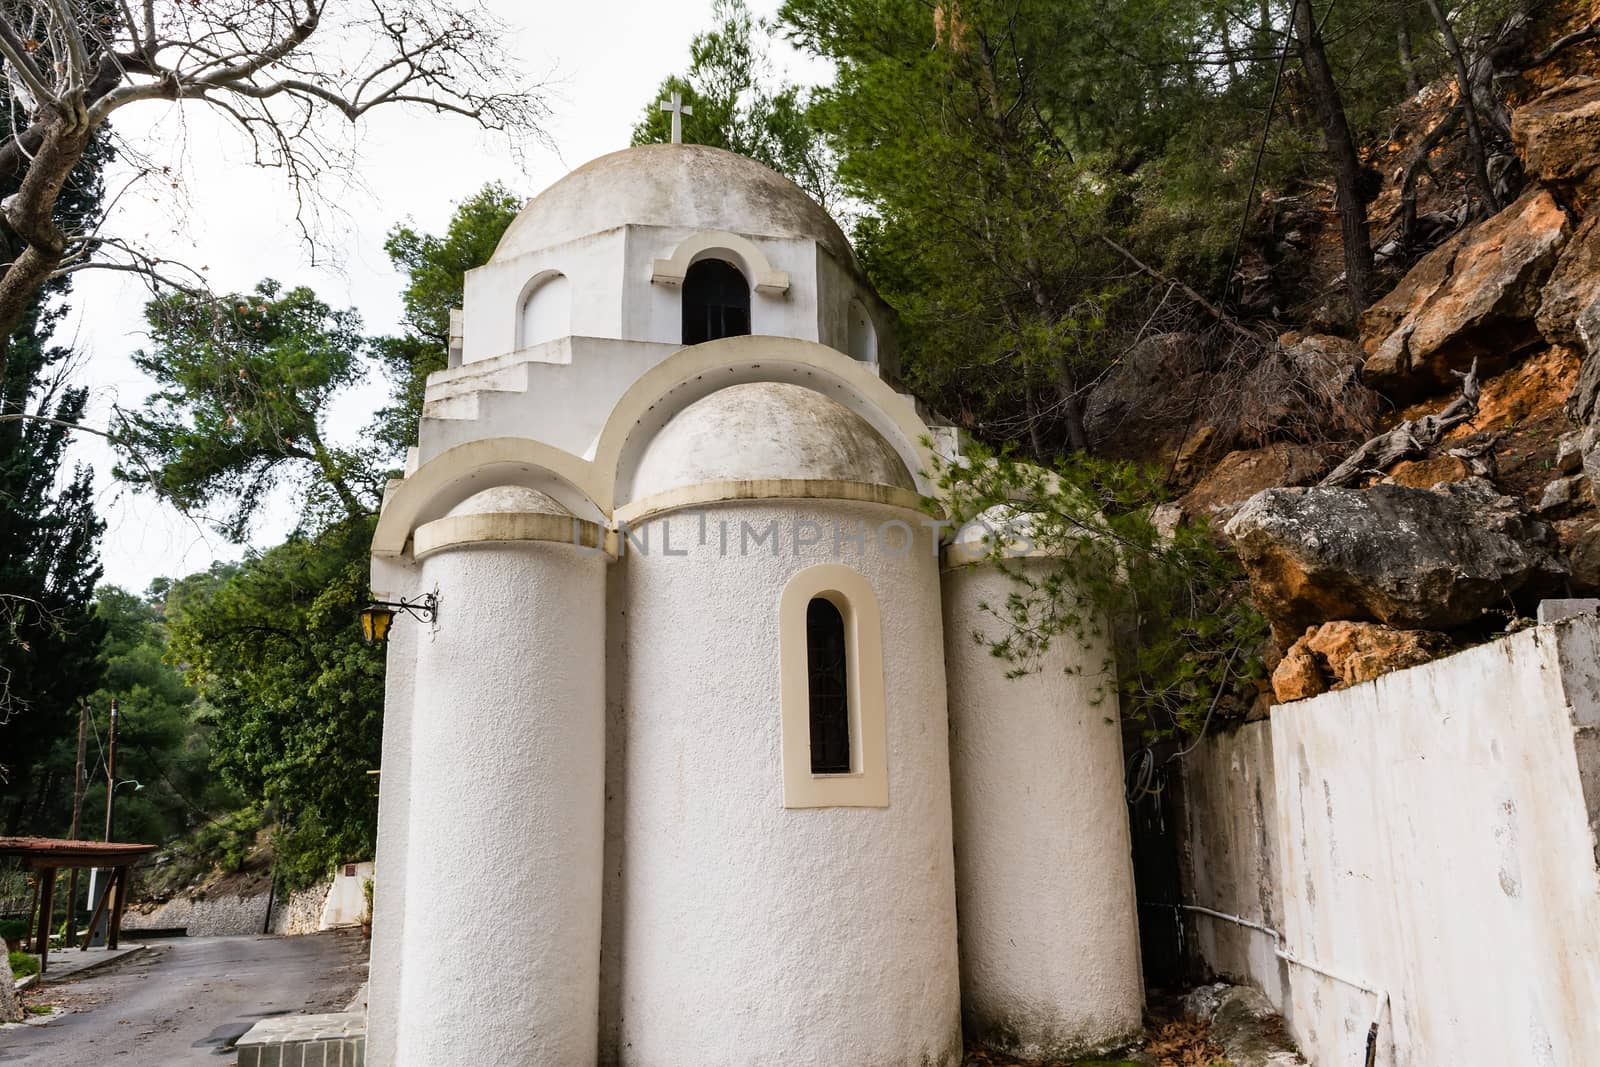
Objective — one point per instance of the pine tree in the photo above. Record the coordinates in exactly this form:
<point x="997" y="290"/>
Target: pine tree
<point x="49" y="541"/>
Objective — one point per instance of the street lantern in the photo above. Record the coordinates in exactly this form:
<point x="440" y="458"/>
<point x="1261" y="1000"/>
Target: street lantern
<point x="378" y="616"/>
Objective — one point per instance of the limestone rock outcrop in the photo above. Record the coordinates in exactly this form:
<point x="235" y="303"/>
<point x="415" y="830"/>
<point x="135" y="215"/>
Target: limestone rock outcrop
<point x="1242" y="474"/>
<point x="1412" y="558"/>
<point x="1574" y="284"/>
<point x="1473" y="297"/>
<point x="1556" y="136"/>
<point x="1337" y="655"/>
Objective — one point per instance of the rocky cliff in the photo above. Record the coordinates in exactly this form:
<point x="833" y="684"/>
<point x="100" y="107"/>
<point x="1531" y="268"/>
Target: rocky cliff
<point x="1421" y="485"/>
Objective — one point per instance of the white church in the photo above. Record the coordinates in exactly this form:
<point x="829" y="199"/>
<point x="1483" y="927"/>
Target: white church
<point x="697" y="762"/>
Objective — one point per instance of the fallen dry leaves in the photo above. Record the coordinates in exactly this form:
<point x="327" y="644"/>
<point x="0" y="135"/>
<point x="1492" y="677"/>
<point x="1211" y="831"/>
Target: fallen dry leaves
<point x="1170" y="1043"/>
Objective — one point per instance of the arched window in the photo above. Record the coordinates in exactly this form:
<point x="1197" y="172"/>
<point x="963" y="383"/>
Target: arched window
<point x="716" y="302"/>
<point x="835" y="734"/>
<point x="828" y="680"/>
<point x="546" y="311"/>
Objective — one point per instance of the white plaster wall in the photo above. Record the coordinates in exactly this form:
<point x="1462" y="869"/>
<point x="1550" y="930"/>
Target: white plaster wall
<point x="1230" y="855"/>
<point x="1380" y="886"/>
<point x="500" y="957"/>
<point x="747" y="933"/>
<point x="563" y="402"/>
<point x="655" y="312"/>
<point x="391" y="581"/>
<point x="1437" y="844"/>
<point x="346" y="902"/>
<point x="1044" y="872"/>
<point x="492" y="296"/>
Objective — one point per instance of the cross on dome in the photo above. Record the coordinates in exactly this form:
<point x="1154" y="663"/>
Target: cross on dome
<point x="678" y="109"/>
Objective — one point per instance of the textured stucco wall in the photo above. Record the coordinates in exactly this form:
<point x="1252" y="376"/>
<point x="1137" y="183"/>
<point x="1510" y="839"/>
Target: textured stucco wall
<point x="1044" y="874"/>
<point x="1230" y="856"/>
<point x="1434" y="840"/>
<point x="744" y="932"/>
<point x="501" y="943"/>
<point x="394" y="815"/>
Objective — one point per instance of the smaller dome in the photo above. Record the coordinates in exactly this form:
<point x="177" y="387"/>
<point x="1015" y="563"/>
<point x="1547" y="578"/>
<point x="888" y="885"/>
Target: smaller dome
<point x="766" y="430"/>
<point x="510" y="498"/>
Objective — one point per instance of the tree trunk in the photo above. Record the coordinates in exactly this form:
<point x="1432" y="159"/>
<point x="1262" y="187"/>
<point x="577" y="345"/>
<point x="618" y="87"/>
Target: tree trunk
<point x="1341" y="148"/>
<point x="1469" y="106"/>
<point x="31" y="214"/>
<point x="1407" y="62"/>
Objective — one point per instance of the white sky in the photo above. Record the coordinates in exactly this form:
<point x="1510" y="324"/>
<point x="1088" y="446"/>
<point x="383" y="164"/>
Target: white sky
<point x="604" y="58"/>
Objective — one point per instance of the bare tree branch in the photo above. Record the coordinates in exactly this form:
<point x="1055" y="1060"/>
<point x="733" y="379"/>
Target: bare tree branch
<point x="277" y="69"/>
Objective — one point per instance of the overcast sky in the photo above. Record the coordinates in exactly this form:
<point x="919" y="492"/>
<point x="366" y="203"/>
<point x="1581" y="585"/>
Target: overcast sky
<point x="604" y="58"/>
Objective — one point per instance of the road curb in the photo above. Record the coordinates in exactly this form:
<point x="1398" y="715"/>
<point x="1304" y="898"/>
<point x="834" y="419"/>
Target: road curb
<point x="88" y="968"/>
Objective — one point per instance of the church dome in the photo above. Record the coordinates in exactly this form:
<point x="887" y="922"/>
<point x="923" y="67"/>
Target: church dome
<point x="514" y="499"/>
<point x="766" y="430"/>
<point x="685" y="186"/>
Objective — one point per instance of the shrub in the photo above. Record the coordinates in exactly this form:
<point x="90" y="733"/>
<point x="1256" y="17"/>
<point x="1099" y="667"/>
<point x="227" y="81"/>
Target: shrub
<point x="24" y="964"/>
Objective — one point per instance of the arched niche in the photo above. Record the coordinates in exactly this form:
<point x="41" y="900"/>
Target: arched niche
<point x="544" y="311"/>
<point x="741" y="252"/>
<point x="862" y="336"/>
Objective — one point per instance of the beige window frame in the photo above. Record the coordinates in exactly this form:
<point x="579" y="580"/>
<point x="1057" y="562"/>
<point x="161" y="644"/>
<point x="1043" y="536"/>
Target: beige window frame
<point x="867" y="783"/>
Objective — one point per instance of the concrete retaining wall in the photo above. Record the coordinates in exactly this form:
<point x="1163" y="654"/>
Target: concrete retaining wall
<point x="1429" y="836"/>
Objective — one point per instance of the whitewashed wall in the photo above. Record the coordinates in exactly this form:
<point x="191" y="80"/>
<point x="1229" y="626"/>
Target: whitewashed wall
<point x="1436" y="843"/>
<point x="502" y="879"/>
<point x="1044" y="872"/>
<point x="747" y="932"/>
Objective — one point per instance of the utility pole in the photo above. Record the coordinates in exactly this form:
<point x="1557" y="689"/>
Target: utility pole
<point x="78" y="784"/>
<point x="97" y="876"/>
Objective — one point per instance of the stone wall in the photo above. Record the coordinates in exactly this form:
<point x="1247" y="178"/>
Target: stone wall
<point x="1423" y="847"/>
<point x="222" y="913"/>
<point x="301" y="912"/>
<point x="233" y="909"/>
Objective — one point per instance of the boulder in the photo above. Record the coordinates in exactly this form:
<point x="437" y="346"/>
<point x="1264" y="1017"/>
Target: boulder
<point x="1580" y="538"/>
<point x="1243" y="474"/>
<point x="1573" y="285"/>
<point x="1473" y="297"/>
<point x="1584" y="403"/>
<point x="1558" y="137"/>
<point x="1133" y="402"/>
<point x="1337" y="655"/>
<point x="1431" y="559"/>
<point x="1564" y="496"/>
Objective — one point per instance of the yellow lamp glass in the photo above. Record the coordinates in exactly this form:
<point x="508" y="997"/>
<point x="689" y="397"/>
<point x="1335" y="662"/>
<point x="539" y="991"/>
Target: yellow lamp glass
<point x="375" y="621"/>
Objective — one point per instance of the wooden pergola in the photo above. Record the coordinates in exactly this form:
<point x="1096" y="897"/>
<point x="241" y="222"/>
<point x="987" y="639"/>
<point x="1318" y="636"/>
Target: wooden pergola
<point x="46" y="855"/>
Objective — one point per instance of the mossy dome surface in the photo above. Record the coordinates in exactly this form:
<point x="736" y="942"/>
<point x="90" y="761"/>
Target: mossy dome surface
<point x="766" y="430"/>
<point x="683" y="186"/>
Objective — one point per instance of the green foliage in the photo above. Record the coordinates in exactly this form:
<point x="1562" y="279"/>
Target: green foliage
<point x="435" y="268"/>
<point x="1086" y="563"/>
<point x="12" y="929"/>
<point x="163" y="739"/>
<point x="246" y="383"/>
<point x="49" y="536"/>
<point x="23" y="964"/>
<point x="295" y="698"/>
<point x="740" y="104"/>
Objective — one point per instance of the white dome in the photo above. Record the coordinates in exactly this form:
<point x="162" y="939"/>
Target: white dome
<point x="674" y="185"/>
<point x="766" y="430"/>
<point x="510" y="498"/>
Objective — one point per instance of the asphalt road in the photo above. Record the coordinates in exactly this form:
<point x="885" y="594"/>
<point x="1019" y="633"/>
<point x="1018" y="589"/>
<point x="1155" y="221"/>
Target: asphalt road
<point x="185" y="1001"/>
